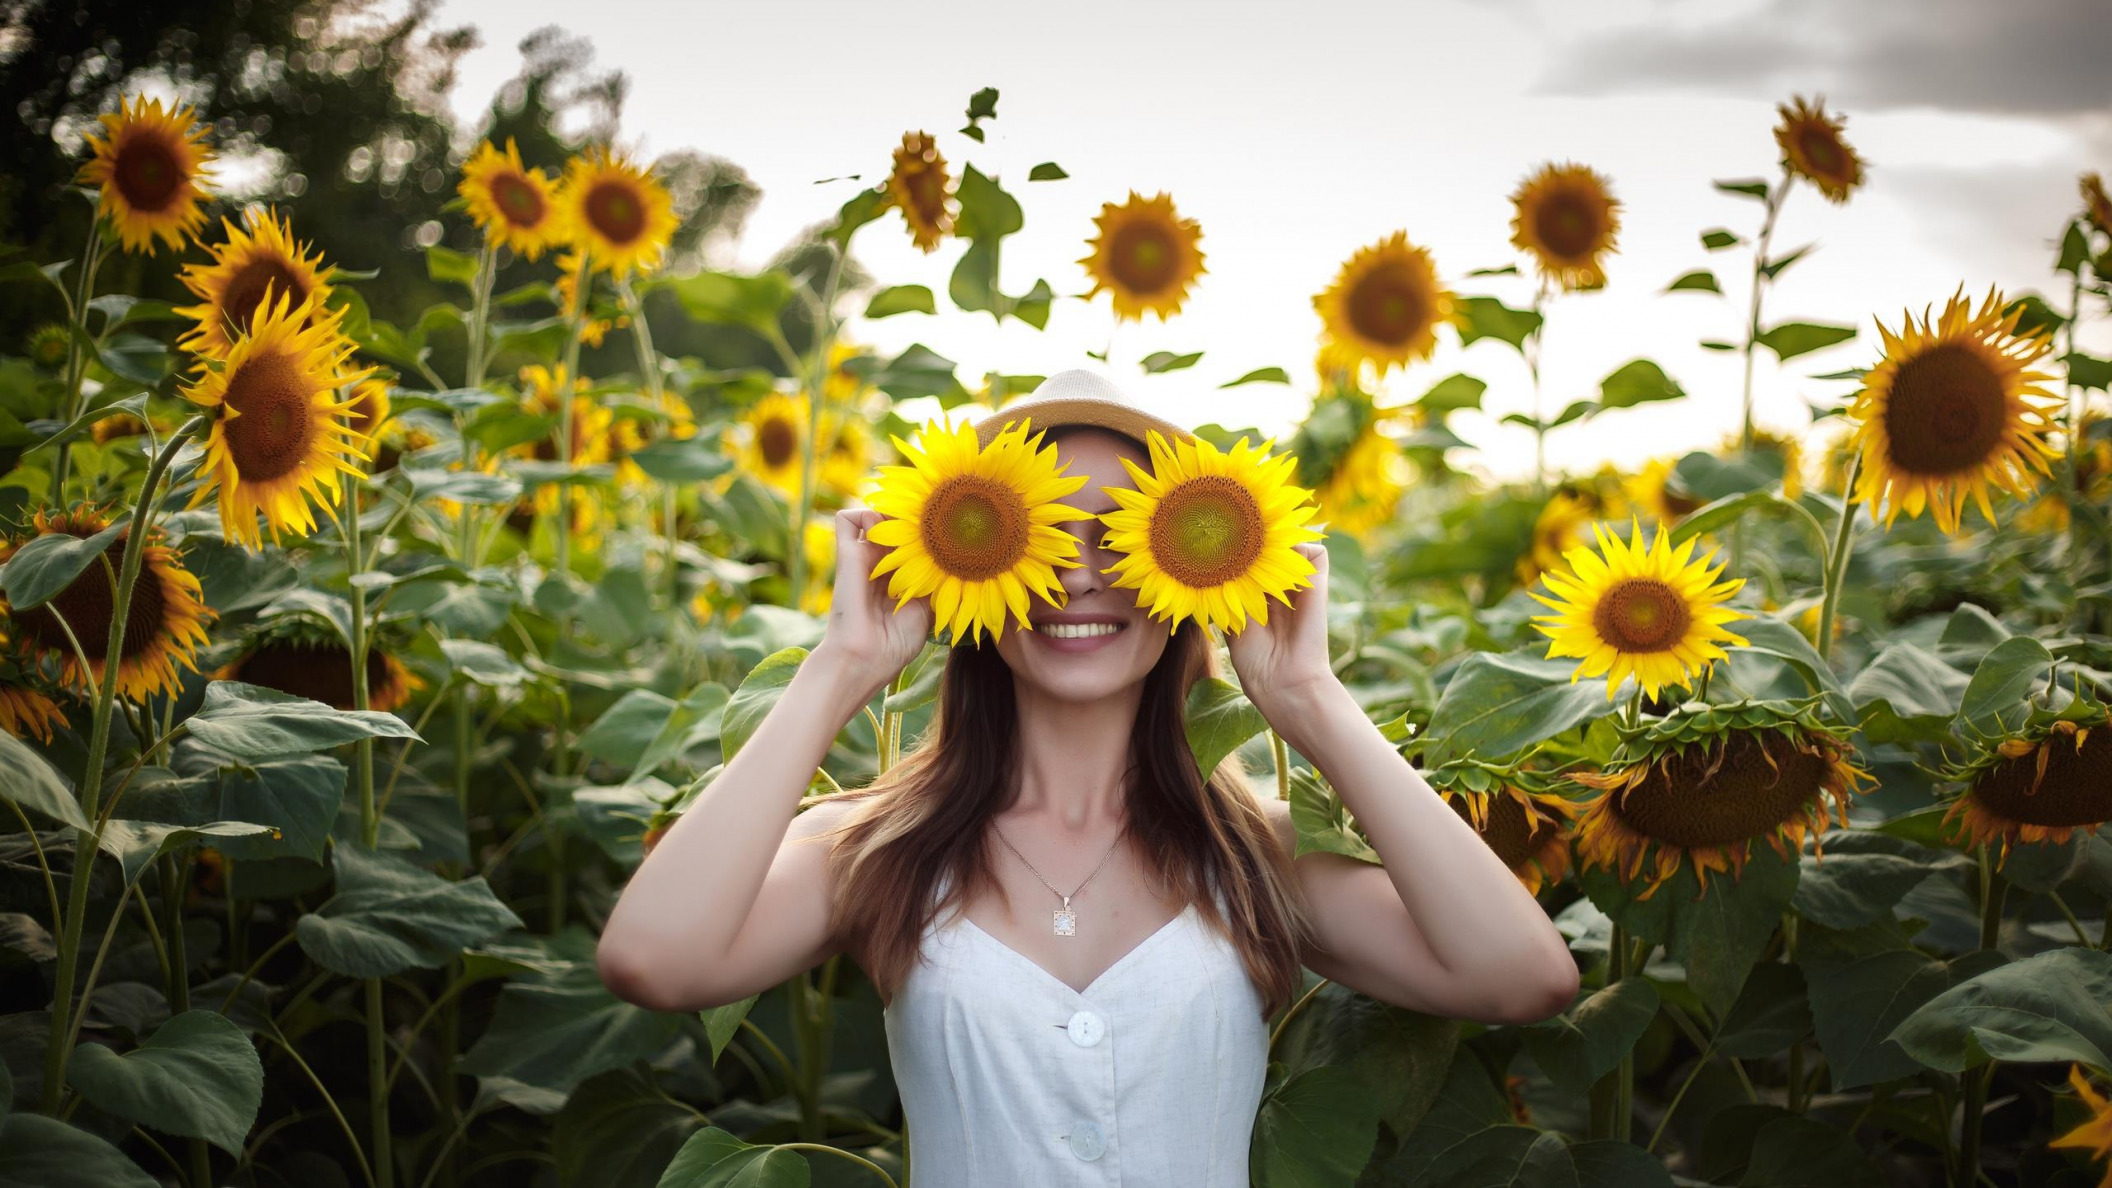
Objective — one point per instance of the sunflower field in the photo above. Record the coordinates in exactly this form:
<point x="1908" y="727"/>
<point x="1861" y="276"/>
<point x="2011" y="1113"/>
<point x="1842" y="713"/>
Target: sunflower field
<point x="349" y="665"/>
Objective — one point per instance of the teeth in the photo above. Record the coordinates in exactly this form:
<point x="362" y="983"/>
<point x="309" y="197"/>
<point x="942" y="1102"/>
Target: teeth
<point x="1079" y="630"/>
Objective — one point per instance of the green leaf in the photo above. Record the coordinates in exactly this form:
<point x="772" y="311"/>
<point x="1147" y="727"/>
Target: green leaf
<point x="557" y="1024"/>
<point x="863" y="207"/>
<point x="1263" y="375"/>
<point x="1700" y="280"/>
<point x="1220" y="721"/>
<point x="1797" y="1152"/>
<point x="1754" y="188"/>
<point x="1499" y="703"/>
<point x="389" y="915"/>
<point x="1322" y="822"/>
<point x="1906" y="694"/>
<point x="296" y="796"/>
<point x="136" y="843"/>
<point x="50" y="274"/>
<point x="251" y="722"/>
<point x="1772" y="1012"/>
<point x="41" y="1152"/>
<point x="901" y="299"/>
<point x="1718" y="933"/>
<point x="1780" y="264"/>
<point x="1860" y="875"/>
<point x="2050" y="1007"/>
<point x="448" y="266"/>
<point x="712" y="1158"/>
<point x="920" y="371"/>
<point x="1773" y="636"/>
<point x="1159" y="361"/>
<point x="987" y="211"/>
<point x="1999" y="694"/>
<point x="1610" y="1163"/>
<point x="1047" y="171"/>
<point x="1453" y="392"/>
<point x="50" y="562"/>
<point x="1486" y="317"/>
<point x="1399" y="1056"/>
<point x="623" y="731"/>
<point x="30" y="781"/>
<point x="1791" y="339"/>
<point x="682" y="461"/>
<point x="752" y="702"/>
<point x="619" y="1130"/>
<point x="462" y="486"/>
<point x="2075" y="248"/>
<point x="197" y="1076"/>
<point x="720" y="1023"/>
<point x="2085" y="371"/>
<point x="1506" y="1157"/>
<point x="981" y="106"/>
<point x="1578" y="1047"/>
<point x="1638" y="381"/>
<point x="1314" y="1131"/>
<point x="725" y="298"/>
<point x="484" y="664"/>
<point x="1718" y="239"/>
<point x="1862" y="984"/>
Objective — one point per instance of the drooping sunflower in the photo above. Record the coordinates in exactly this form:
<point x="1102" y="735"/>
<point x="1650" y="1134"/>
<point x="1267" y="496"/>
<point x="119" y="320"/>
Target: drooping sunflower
<point x="515" y="205"/>
<point x="1567" y="220"/>
<point x="1516" y="811"/>
<point x="2097" y="205"/>
<point x="1704" y="783"/>
<point x="151" y="164"/>
<point x="770" y="441"/>
<point x="262" y="257"/>
<point x="1210" y="533"/>
<point x="1356" y="471"/>
<point x="1812" y="148"/>
<point x="307" y="662"/>
<point x="1641" y="610"/>
<point x="1953" y="408"/>
<point x="1145" y="255"/>
<point x="1385" y="306"/>
<point x="616" y="211"/>
<point x="279" y="439"/>
<point x="164" y="627"/>
<point x="975" y="527"/>
<point x="920" y="188"/>
<point x="2094" y="1134"/>
<point x="2039" y="784"/>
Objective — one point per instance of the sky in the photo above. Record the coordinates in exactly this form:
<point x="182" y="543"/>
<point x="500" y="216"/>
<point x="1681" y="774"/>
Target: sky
<point x="1295" y="134"/>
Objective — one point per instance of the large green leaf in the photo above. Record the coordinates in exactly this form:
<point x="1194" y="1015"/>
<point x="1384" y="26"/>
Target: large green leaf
<point x="1399" y="1056"/>
<point x="557" y="1025"/>
<point x="1999" y="694"/>
<point x="2050" y="1007"/>
<point x="41" y="1152"/>
<point x="136" y="843"/>
<point x="1791" y="339"/>
<point x="389" y="915"/>
<point x="619" y="1130"/>
<point x="1860" y="875"/>
<point x="1313" y="1131"/>
<point x="1578" y="1047"/>
<point x="1801" y="1153"/>
<point x="1486" y="317"/>
<point x="251" y="722"/>
<point x="1862" y="983"/>
<point x="1638" y="381"/>
<point x="1774" y="636"/>
<point x="297" y="795"/>
<point x="50" y="562"/>
<point x="1506" y="1157"/>
<point x="1499" y="703"/>
<point x="1469" y="1103"/>
<point x="485" y="664"/>
<point x="1718" y="933"/>
<point x="197" y="1076"/>
<point x="1220" y="721"/>
<point x="1907" y="694"/>
<point x="28" y="780"/>
<point x="730" y="299"/>
<point x="1608" y="1163"/>
<point x="1773" y="1011"/>
<point x="712" y="1158"/>
<point x="751" y="703"/>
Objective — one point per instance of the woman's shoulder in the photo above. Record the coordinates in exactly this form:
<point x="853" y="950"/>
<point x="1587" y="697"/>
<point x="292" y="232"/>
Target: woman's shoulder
<point x="821" y="814"/>
<point x="1279" y="814"/>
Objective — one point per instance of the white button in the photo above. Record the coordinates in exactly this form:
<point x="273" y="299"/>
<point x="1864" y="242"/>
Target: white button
<point x="1086" y="1028"/>
<point x="1086" y="1141"/>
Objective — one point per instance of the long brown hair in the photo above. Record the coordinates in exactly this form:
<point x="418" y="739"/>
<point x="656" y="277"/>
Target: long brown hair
<point x="927" y="816"/>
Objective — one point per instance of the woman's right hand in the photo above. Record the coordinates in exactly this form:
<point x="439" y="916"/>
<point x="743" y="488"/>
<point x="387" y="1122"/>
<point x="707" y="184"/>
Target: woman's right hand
<point x="866" y="632"/>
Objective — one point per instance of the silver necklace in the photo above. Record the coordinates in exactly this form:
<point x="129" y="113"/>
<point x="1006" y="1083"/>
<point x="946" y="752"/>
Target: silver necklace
<point x="1066" y="919"/>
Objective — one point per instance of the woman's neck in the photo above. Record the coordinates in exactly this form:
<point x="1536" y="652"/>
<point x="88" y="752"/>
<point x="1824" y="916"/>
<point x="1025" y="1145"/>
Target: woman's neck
<point x="1073" y="755"/>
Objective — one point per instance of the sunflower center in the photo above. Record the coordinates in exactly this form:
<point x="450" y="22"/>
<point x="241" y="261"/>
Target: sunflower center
<point x="86" y="604"/>
<point x="1567" y="224"/>
<point x="148" y="174"/>
<point x="1142" y="258"/>
<point x="1821" y="151"/>
<point x="2076" y="788"/>
<point x="927" y="192"/>
<point x="517" y="200"/>
<point x="778" y="441"/>
<point x="974" y="527"/>
<point x="319" y="672"/>
<point x="245" y="290"/>
<point x="277" y="426"/>
<point x="1946" y="411"/>
<point x="615" y="211"/>
<point x="1388" y="306"/>
<point x="1641" y="615"/>
<point x="1511" y="831"/>
<point x="1207" y="531"/>
<point x="1741" y="789"/>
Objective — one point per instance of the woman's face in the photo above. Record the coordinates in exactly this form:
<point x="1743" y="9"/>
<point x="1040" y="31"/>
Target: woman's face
<point x="1100" y="642"/>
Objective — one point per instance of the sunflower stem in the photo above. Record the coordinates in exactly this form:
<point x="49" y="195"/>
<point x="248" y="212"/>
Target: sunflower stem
<point x="86" y="841"/>
<point x="649" y="375"/>
<point x="574" y="329"/>
<point x="1283" y="765"/>
<point x="825" y="327"/>
<point x="480" y="315"/>
<point x="370" y="830"/>
<point x="1837" y="558"/>
<point x="1532" y="366"/>
<point x="76" y="363"/>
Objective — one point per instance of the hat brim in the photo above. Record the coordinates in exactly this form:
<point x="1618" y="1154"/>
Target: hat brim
<point x="1057" y="411"/>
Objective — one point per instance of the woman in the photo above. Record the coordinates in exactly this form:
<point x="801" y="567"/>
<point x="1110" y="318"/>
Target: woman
<point x="1080" y="942"/>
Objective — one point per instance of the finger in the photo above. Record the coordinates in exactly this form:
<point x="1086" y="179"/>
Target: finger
<point x="855" y="555"/>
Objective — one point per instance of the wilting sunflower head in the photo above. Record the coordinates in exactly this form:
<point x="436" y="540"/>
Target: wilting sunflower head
<point x="516" y="206"/>
<point x="616" y="212"/>
<point x="151" y="164"/>
<point x="1516" y="811"/>
<point x="2038" y="784"/>
<point x="770" y="441"/>
<point x="164" y="626"/>
<point x="1567" y="221"/>
<point x="1953" y="408"/>
<point x="1647" y="611"/>
<point x="1385" y="306"/>
<point x="280" y="437"/>
<point x="1702" y="784"/>
<point x="1211" y="534"/>
<point x="1812" y="148"/>
<point x="1145" y="254"/>
<point x="2097" y="206"/>
<point x="302" y="659"/>
<point x="975" y="528"/>
<point x="261" y="257"/>
<point x="920" y="188"/>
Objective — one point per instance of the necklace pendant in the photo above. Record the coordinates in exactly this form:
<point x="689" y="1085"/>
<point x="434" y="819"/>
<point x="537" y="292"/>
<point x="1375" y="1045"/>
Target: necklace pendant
<point x="1066" y="919"/>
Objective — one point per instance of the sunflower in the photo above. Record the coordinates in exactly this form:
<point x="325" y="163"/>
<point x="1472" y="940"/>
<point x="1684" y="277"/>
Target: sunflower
<point x="772" y="439"/>
<point x="2040" y="784"/>
<point x="1565" y="521"/>
<point x="617" y="212"/>
<point x="1703" y="784"/>
<point x="1566" y="220"/>
<point x="1145" y="255"/>
<point x="278" y="439"/>
<point x="1385" y="306"/>
<point x="26" y="711"/>
<point x="1355" y="470"/>
<point x="593" y="443"/>
<point x="1516" y="812"/>
<point x="1952" y="408"/>
<point x="1784" y="446"/>
<point x="571" y="272"/>
<point x="116" y="428"/>
<point x="1631" y="609"/>
<point x="151" y="163"/>
<point x="848" y="456"/>
<point x="164" y="627"/>
<point x="516" y="206"/>
<point x="974" y="528"/>
<point x="1211" y="534"/>
<point x="2096" y="204"/>
<point x="921" y="190"/>
<point x="264" y="258"/>
<point x="2094" y="1133"/>
<point x="307" y="663"/>
<point x="1651" y="490"/>
<point x="1812" y="148"/>
<point x="821" y="567"/>
<point x="48" y="346"/>
<point x="2093" y="481"/>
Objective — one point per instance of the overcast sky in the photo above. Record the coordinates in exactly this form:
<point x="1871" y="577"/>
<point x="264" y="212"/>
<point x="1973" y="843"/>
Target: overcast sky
<point x="1297" y="133"/>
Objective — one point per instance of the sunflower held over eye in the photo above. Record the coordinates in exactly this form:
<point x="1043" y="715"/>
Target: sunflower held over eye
<point x="1631" y="609"/>
<point x="262" y="258"/>
<point x="975" y="528"/>
<point x="1516" y="811"/>
<point x="770" y="441"/>
<point x="1953" y="408"/>
<point x="164" y="626"/>
<point x="1385" y="306"/>
<point x="1211" y="534"/>
<point x="278" y="439"/>
<point x="515" y="205"/>
<point x="1145" y="255"/>
<point x="1812" y="148"/>
<point x="616" y="212"/>
<point x="306" y="661"/>
<point x="1701" y="785"/>
<point x="151" y="164"/>
<point x="1567" y="221"/>
<point x="920" y="188"/>
<point x="2038" y="784"/>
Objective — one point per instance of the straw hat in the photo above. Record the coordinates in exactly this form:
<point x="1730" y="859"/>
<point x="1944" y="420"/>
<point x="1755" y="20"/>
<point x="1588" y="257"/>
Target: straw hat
<point x="1079" y="397"/>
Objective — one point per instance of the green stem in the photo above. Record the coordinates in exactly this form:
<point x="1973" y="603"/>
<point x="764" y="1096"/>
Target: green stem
<point x="1994" y="890"/>
<point x="370" y="832"/>
<point x="480" y="316"/>
<point x="1624" y="1073"/>
<point x="1686" y="1083"/>
<point x="76" y="363"/>
<point x="1837" y="558"/>
<point x="649" y="375"/>
<point x="366" y="1170"/>
<point x="1284" y="1023"/>
<point x="1282" y="756"/>
<point x="1532" y="366"/>
<point x="378" y="1086"/>
<point x="1795" y="1088"/>
<point x="839" y="1151"/>
<point x="567" y="377"/>
<point x="816" y="382"/>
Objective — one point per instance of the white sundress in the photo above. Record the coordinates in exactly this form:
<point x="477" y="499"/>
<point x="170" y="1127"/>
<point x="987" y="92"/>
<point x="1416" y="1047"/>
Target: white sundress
<point x="1010" y="1077"/>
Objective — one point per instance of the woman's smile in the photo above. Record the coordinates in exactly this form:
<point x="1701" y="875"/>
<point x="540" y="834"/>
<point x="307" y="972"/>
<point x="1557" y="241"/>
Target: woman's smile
<point x="1063" y="631"/>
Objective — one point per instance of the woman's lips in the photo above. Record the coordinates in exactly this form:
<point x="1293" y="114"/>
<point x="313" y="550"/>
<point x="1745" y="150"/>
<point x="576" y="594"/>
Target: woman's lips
<point x="1080" y="633"/>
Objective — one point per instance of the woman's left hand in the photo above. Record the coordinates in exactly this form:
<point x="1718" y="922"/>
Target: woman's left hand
<point x="1287" y="656"/>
